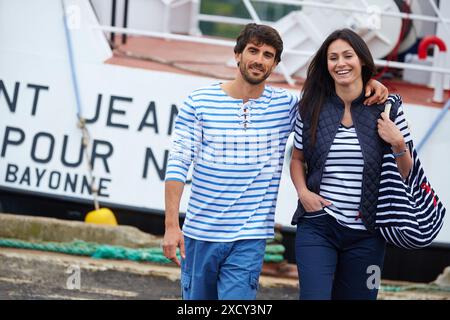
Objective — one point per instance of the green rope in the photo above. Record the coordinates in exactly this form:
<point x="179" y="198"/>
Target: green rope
<point x="93" y="250"/>
<point x="273" y="257"/>
<point x="99" y="251"/>
<point x="275" y="249"/>
<point x="422" y="287"/>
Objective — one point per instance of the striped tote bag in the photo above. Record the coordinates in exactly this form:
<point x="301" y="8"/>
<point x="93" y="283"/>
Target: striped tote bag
<point x="409" y="213"/>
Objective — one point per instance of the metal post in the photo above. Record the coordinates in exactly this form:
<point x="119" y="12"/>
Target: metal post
<point x="439" y="80"/>
<point x="125" y="21"/>
<point x="166" y="17"/>
<point x="195" y="12"/>
<point x="113" y="20"/>
<point x="251" y="10"/>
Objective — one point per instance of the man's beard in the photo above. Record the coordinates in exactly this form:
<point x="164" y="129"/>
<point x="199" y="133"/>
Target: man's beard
<point x="247" y="77"/>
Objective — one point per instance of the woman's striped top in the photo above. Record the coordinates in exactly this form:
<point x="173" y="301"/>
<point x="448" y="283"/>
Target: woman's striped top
<point x="342" y="176"/>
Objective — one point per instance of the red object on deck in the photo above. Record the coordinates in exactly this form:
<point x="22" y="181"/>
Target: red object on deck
<point x="426" y="42"/>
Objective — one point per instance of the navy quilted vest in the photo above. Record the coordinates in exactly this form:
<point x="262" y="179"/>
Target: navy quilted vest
<point x="372" y="146"/>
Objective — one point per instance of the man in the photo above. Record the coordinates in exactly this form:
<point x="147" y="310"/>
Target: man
<point x="235" y="133"/>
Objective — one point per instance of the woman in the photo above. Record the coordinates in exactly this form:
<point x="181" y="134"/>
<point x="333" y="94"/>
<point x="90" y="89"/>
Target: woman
<point x="341" y="142"/>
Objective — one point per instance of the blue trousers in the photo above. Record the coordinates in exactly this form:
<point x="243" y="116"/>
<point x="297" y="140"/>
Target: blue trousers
<point x="221" y="270"/>
<point x="335" y="262"/>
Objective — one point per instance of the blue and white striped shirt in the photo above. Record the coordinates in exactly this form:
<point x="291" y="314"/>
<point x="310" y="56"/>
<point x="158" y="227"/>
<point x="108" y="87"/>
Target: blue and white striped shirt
<point x="342" y="176"/>
<point x="237" y="150"/>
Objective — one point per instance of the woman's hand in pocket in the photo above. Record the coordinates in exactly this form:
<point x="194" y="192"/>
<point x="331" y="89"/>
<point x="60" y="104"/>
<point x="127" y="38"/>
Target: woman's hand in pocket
<point x="312" y="201"/>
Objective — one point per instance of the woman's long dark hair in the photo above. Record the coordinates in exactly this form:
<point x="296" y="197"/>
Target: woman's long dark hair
<point x="319" y="84"/>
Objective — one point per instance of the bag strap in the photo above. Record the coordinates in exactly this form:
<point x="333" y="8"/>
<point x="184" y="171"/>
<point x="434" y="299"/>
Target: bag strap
<point x="391" y="105"/>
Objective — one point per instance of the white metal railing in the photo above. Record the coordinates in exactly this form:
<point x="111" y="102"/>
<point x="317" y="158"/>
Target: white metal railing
<point x="228" y="20"/>
<point x="300" y="3"/>
<point x="439" y="91"/>
<point x="255" y="18"/>
<point x="402" y="15"/>
<point x="229" y="43"/>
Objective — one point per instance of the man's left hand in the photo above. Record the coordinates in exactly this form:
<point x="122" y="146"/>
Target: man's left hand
<point x="376" y="92"/>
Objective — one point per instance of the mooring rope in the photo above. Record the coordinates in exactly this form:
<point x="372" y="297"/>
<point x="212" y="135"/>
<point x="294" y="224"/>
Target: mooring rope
<point x="274" y="252"/>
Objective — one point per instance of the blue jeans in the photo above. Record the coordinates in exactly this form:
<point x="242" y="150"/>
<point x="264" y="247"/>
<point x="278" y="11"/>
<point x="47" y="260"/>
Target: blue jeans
<point x="221" y="270"/>
<point x="336" y="262"/>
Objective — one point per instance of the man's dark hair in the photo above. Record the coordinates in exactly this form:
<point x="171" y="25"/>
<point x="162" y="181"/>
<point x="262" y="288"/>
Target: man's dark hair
<point x="259" y="34"/>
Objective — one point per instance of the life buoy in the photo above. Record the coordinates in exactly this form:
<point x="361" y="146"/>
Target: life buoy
<point x="427" y="42"/>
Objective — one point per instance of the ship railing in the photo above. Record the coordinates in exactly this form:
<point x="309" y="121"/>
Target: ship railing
<point x="193" y="37"/>
<point x="229" y="43"/>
